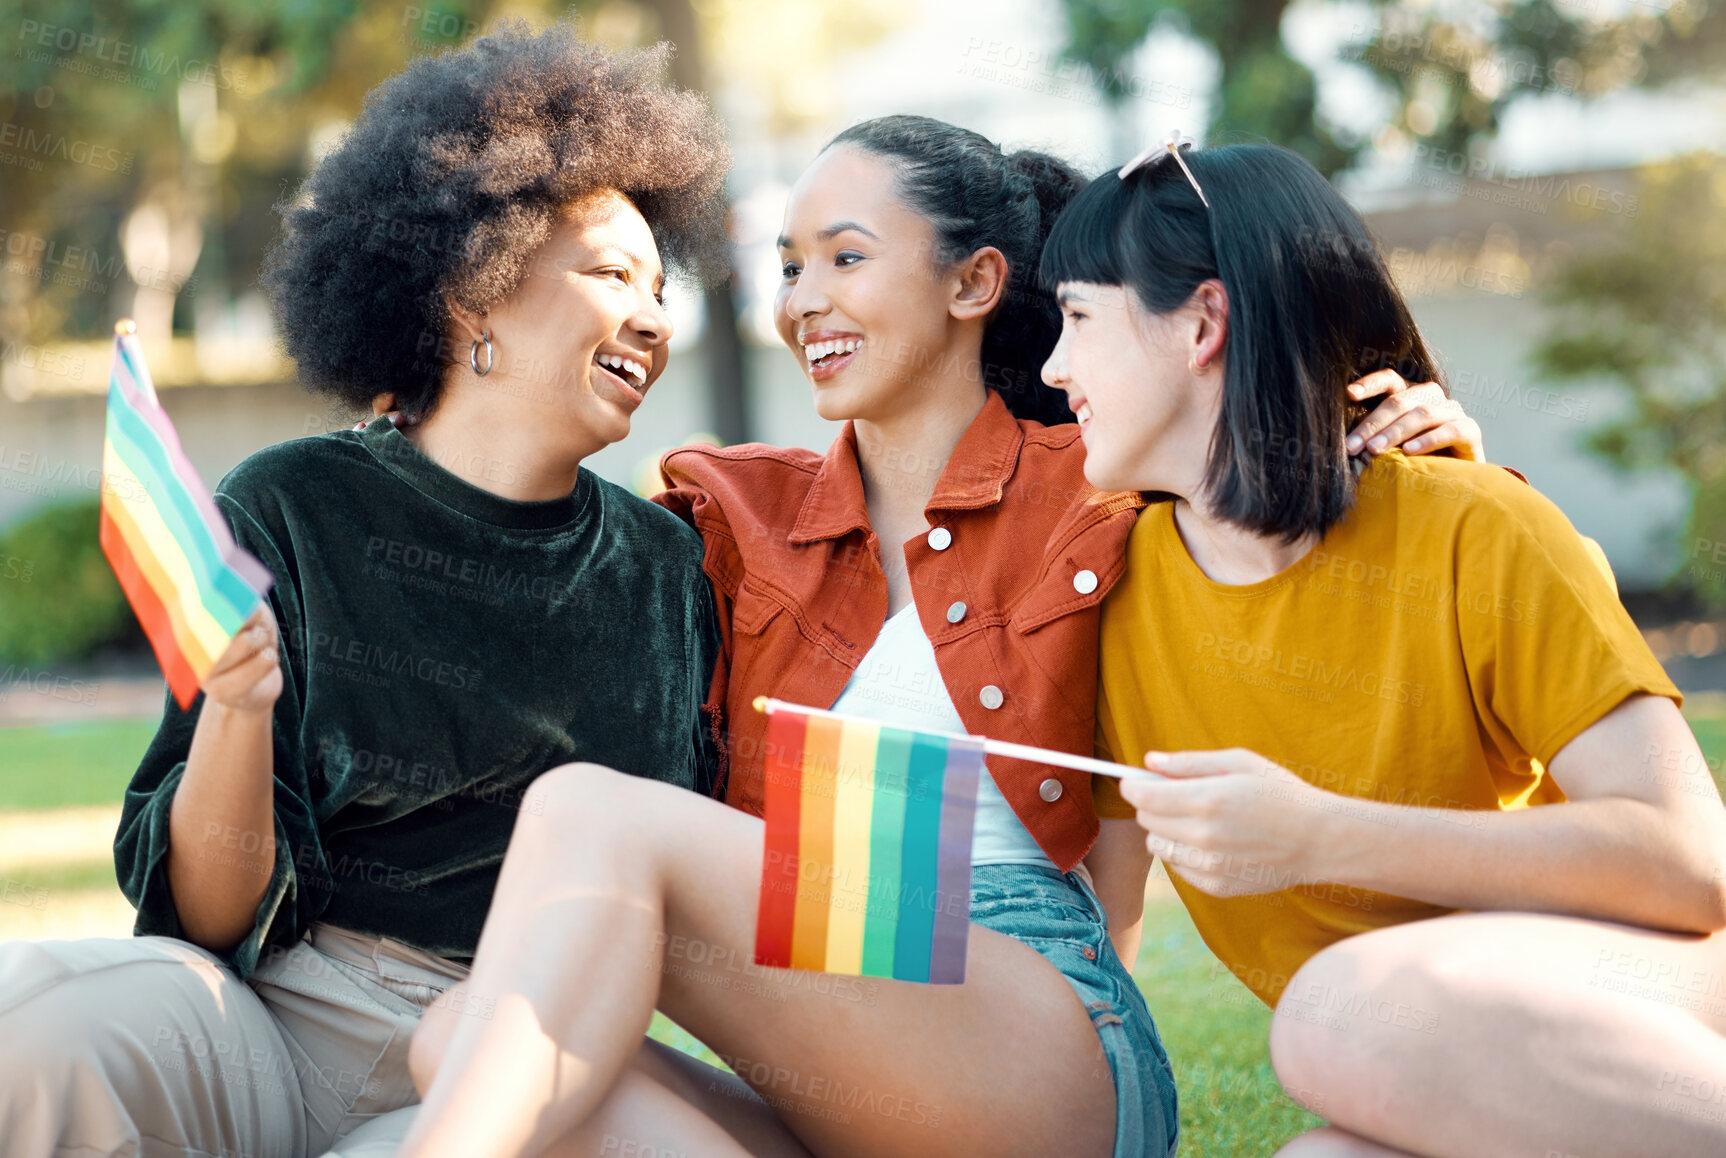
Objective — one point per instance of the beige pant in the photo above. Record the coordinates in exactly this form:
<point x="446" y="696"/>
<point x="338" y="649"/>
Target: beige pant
<point x="149" y="1047"/>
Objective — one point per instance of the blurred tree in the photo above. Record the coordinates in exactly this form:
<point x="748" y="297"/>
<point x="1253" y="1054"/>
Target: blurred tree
<point x="198" y="116"/>
<point x="1451" y="68"/>
<point x="1650" y="317"/>
<point x="727" y="400"/>
<point x="735" y="43"/>
<point x="1262" y="91"/>
<point x="136" y="126"/>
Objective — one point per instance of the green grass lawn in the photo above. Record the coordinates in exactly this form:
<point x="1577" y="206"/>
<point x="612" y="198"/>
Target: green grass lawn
<point x="65" y="765"/>
<point x="1711" y="734"/>
<point x="1215" y="1031"/>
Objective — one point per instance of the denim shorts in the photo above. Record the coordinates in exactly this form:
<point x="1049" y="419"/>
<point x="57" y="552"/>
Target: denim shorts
<point x="1060" y="917"/>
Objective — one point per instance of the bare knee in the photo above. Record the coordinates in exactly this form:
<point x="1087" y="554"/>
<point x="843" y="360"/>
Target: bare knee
<point x="571" y="796"/>
<point x="1363" y="1010"/>
<point x="590" y="800"/>
<point x="428" y="1045"/>
<point x="1301" y="1044"/>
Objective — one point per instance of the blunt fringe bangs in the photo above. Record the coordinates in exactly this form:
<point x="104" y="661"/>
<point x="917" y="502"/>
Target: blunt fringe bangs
<point x="1312" y="307"/>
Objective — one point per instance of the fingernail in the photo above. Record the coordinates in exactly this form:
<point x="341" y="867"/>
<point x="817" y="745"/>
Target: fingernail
<point x="1353" y="444"/>
<point x="1414" y="444"/>
<point x="1378" y="443"/>
<point x="1156" y="760"/>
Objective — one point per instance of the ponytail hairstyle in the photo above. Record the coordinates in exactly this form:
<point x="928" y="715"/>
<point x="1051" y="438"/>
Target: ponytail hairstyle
<point x="976" y="196"/>
<point x="1311" y="308"/>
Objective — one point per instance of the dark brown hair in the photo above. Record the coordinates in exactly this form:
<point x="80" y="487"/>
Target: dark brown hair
<point x="975" y="196"/>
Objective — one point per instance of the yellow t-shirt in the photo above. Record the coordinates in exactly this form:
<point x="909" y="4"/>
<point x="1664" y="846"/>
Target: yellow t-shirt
<point x="1437" y="648"/>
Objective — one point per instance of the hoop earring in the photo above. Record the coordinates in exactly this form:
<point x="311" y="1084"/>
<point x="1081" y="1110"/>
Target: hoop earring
<point x="473" y="354"/>
<point x="1193" y="365"/>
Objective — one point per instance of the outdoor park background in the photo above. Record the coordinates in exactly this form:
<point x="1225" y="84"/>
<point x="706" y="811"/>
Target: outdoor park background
<point x="1539" y="174"/>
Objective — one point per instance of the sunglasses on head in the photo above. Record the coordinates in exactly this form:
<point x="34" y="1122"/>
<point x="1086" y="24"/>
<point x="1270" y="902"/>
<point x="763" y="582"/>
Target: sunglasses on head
<point x="1155" y="154"/>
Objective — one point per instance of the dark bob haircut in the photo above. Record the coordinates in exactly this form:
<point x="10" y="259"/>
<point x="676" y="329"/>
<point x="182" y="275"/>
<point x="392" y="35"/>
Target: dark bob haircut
<point x="454" y="175"/>
<point x="974" y="195"/>
<point x="1311" y="308"/>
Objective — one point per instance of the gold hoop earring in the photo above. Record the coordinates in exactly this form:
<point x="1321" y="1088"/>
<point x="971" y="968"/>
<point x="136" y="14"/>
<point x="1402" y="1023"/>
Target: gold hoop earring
<point x="1193" y="365"/>
<point x="473" y="354"/>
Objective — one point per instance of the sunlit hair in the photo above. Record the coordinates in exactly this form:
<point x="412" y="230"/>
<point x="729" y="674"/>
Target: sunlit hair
<point x="455" y="174"/>
<point x="1311" y="308"/>
<point x="974" y="196"/>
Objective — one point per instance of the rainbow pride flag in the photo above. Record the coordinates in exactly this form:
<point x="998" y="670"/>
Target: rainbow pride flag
<point x="190" y="584"/>
<point x="867" y="869"/>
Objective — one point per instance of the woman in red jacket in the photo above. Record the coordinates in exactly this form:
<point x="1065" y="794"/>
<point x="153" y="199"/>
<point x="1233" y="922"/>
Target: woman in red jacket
<point x="909" y="299"/>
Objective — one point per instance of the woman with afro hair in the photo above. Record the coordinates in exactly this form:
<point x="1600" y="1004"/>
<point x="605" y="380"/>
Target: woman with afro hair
<point x="459" y="605"/>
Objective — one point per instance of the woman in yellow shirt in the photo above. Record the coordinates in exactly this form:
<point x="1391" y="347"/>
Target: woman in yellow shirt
<point x="1362" y="681"/>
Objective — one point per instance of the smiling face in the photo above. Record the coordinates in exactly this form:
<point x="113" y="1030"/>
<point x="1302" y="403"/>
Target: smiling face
<point x="862" y="303"/>
<point x="1146" y="388"/>
<point x="586" y="329"/>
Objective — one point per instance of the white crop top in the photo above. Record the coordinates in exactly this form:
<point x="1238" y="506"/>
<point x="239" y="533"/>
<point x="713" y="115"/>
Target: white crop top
<point x="898" y="683"/>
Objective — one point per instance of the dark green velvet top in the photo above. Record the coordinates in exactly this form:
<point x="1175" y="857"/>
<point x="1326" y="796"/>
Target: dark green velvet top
<point x="441" y="647"/>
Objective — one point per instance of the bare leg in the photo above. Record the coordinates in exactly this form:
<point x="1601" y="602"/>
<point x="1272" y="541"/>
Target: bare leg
<point x="665" y="1103"/>
<point x="1488" y="1034"/>
<point x="1330" y="1142"/>
<point x="598" y="893"/>
<point x="658" y="1107"/>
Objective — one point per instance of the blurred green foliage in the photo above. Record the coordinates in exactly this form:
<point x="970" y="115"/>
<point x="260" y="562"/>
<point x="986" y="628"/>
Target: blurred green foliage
<point x="1649" y="316"/>
<point x="211" y="111"/>
<point x="1450" y="70"/>
<point x="59" y="599"/>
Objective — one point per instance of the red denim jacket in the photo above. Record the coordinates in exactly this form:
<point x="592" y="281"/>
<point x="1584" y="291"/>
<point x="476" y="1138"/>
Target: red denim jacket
<point x="1007" y="587"/>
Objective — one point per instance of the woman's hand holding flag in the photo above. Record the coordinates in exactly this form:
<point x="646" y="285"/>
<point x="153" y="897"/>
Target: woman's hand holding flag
<point x="1231" y="822"/>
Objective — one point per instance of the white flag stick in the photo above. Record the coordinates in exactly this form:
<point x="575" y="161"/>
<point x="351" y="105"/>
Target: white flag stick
<point x="769" y="705"/>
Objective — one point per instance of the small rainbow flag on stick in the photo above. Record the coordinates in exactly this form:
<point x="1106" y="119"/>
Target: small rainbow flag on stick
<point x="868" y="862"/>
<point x="867" y="867"/>
<point x="190" y="584"/>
